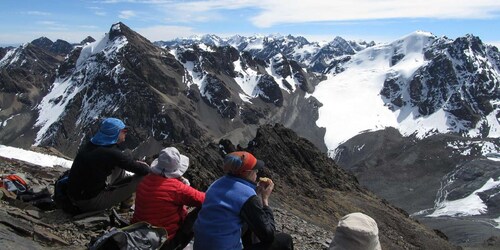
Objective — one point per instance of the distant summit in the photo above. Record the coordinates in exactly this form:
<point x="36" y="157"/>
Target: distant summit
<point x="87" y="40"/>
<point x="59" y="47"/>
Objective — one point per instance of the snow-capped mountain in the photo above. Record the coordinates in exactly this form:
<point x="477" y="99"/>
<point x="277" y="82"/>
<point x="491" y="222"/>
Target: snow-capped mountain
<point x="419" y="84"/>
<point x="315" y="56"/>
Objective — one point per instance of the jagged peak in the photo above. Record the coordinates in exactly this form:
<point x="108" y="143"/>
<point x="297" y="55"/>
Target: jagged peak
<point x="42" y="38"/>
<point x="88" y="39"/>
<point x="118" y="29"/>
<point x="42" y="42"/>
<point x="470" y="38"/>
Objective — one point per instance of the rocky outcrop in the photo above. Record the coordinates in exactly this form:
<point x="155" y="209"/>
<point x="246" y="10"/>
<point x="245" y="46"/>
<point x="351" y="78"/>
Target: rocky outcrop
<point x="88" y="39"/>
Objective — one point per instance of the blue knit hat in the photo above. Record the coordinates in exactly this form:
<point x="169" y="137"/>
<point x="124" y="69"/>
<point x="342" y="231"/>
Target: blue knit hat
<point x="108" y="132"/>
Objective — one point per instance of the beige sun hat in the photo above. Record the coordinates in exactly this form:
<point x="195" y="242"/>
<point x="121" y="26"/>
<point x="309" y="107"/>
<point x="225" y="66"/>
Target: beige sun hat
<point x="356" y="231"/>
<point x="170" y="163"/>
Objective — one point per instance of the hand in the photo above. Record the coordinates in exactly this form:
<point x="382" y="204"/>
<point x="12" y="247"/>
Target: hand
<point x="265" y="188"/>
<point x="184" y="180"/>
<point x="143" y="163"/>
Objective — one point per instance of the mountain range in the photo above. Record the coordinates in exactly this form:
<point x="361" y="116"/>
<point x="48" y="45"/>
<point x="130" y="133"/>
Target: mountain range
<point x="343" y="96"/>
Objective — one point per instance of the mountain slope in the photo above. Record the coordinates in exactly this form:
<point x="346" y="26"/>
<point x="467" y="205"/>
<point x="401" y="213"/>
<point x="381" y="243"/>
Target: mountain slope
<point x="443" y="180"/>
<point x="191" y="93"/>
<point x="26" y="75"/>
<point x="122" y="75"/>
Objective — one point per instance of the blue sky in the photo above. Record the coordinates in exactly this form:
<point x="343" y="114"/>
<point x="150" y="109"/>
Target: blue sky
<point x="320" y="20"/>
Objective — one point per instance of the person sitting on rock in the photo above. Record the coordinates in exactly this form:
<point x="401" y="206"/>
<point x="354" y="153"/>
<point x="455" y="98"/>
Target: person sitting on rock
<point x="97" y="179"/>
<point x="356" y="231"/>
<point x="235" y="201"/>
<point x="163" y="195"/>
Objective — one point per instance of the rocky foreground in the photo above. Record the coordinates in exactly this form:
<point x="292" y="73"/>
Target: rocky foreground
<point x="25" y="226"/>
<point x="310" y="196"/>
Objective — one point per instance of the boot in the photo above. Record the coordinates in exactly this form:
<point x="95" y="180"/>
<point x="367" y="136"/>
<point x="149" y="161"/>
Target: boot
<point x="126" y="205"/>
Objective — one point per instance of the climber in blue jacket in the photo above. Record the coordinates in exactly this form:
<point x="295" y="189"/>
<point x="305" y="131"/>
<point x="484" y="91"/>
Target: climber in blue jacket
<point x="234" y="202"/>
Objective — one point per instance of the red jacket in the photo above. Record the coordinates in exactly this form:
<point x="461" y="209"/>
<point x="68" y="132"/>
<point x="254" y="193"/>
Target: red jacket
<point x="162" y="202"/>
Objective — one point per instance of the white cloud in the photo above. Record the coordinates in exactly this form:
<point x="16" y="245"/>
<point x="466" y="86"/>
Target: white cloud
<point x="274" y="12"/>
<point x="126" y="14"/>
<point x="46" y="22"/>
<point x="281" y="11"/>
<point x="157" y="33"/>
<point x="98" y="11"/>
<point x="51" y="25"/>
<point x="37" y="13"/>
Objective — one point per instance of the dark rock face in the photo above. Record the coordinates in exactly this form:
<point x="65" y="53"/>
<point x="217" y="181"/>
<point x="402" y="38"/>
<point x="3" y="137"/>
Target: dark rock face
<point x="281" y="66"/>
<point x="270" y="90"/>
<point x="26" y="74"/>
<point x="470" y="177"/>
<point x="216" y="94"/>
<point x="61" y="47"/>
<point x="221" y="61"/>
<point x="459" y="79"/>
<point x="336" y="66"/>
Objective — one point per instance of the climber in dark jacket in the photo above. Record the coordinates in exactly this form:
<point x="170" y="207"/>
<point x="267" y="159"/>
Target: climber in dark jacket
<point x="97" y="179"/>
<point x="234" y="203"/>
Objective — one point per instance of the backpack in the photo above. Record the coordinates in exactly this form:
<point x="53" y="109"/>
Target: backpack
<point x="140" y="235"/>
<point x="61" y="197"/>
<point x="14" y="183"/>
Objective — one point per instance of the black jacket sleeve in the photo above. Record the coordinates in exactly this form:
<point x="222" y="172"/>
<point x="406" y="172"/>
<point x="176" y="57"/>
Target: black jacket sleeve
<point x="126" y="162"/>
<point x="259" y="219"/>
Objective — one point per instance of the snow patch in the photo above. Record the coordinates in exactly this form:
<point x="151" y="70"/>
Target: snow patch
<point x="470" y="205"/>
<point x="33" y="157"/>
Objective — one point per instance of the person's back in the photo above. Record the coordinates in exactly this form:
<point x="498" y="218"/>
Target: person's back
<point x="90" y="169"/>
<point x="235" y="200"/>
<point x="219" y="222"/>
<point x="97" y="179"/>
<point x="163" y="195"/>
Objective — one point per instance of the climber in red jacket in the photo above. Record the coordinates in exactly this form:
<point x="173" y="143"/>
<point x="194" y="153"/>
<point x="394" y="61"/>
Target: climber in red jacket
<point x="162" y="197"/>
